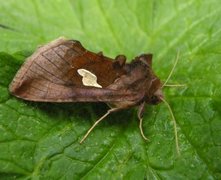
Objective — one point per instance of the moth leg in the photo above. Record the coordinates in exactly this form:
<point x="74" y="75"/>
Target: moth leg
<point x="140" y="117"/>
<point x="99" y="120"/>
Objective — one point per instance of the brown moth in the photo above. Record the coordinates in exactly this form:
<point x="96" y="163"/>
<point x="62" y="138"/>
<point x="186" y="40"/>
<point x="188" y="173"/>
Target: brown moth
<point x="64" y="71"/>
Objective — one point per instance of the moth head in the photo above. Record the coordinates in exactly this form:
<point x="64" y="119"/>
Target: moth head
<point x="155" y="93"/>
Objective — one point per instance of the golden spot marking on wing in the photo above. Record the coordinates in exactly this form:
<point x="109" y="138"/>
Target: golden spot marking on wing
<point x="88" y="78"/>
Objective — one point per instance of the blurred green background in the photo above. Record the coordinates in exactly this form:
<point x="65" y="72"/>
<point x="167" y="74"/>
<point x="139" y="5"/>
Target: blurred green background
<point x="41" y="140"/>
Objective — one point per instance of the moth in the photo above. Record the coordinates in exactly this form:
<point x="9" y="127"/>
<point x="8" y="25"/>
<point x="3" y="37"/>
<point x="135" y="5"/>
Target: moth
<point x="64" y="71"/>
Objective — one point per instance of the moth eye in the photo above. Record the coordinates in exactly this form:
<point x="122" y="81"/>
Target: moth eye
<point x="154" y="100"/>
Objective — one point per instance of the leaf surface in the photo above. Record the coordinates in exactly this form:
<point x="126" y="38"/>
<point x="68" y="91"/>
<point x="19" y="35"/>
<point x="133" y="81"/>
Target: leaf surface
<point x="41" y="140"/>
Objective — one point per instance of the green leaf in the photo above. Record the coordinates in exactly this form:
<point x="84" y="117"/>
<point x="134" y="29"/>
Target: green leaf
<point x="41" y="140"/>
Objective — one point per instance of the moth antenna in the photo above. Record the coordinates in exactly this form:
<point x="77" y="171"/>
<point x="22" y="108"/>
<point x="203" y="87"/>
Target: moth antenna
<point x="99" y="120"/>
<point x="172" y="70"/>
<point x="175" y="85"/>
<point x="174" y="125"/>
